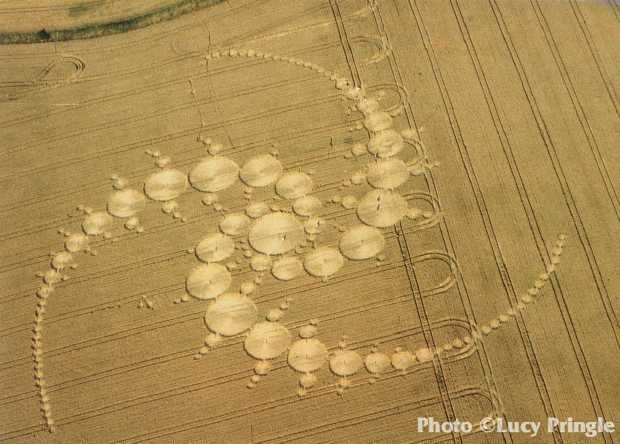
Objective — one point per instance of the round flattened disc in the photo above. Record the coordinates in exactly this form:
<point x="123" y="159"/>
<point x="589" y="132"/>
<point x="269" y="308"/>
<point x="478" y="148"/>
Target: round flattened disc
<point x="307" y="355"/>
<point x="311" y="226"/>
<point x="323" y="262"/>
<point x="207" y="281"/>
<point x="257" y="209"/>
<point x="307" y="205"/>
<point x="126" y="203"/>
<point x="294" y="185"/>
<point x="361" y="242"/>
<point x="287" y="268"/>
<point x="276" y="233"/>
<point x="214" y="174"/>
<point x="231" y="314"/>
<point x="368" y="106"/>
<point x="96" y="223"/>
<point x="62" y="259"/>
<point x="52" y="277"/>
<point x="307" y="380"/>
<point x="260" y="262"/>
<point x="385" y="143"/>
<point x="403" y="360"/>
<point x="382" y="208"/>
<point x="261" y="171"/>
<point x="377" y="363"/>
<point x="235" y="224"/>
<point x="76" y="242"/>
<point x="308" y="331"/>
<point x="215" y="247"/>
<point x="346" y="362"/>
<point x="165" y="185"/>
<point x="378" y="121"/>
<point x="267" y="340"/>
<point x="387" y="174"/>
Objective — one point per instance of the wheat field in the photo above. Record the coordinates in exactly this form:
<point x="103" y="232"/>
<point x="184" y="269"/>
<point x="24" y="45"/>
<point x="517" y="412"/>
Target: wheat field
<point x="513" y="102"/>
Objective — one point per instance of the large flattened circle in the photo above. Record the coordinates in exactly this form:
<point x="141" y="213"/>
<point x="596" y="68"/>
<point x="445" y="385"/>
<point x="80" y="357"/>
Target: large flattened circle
<point x="307" y="355"/>
<point x="235" y="224"/>
<point x="267" y="340"/>
<point x="214" y="174"/>
<point x="382" y="208"/>
<point x="294" y="185"/>
<point x="231" y="314"/>
<point x="346" y="362"/>
<point x="207" y="281"/>
<point x="261" y="171"/>
<point x="387" y="173"/>
<point x="126" y="203"/>
<point x="96" y="223"/>
<point x="215" y="247"/>
<point x="385" y="143"/>
<point x="307" y="205"/>
<point x="323" y="262"/>
<point x="287" y="268"/>
<point x="165" y="185"/>
<point x="377" y="362"/>
<point x="276" y="233"/>
<point x="361" y="242"/>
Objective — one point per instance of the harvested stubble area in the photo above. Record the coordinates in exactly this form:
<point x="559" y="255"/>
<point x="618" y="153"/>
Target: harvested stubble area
<point x="307" y="221"/>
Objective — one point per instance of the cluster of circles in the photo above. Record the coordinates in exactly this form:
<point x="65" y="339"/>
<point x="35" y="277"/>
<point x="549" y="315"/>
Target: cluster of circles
<point x="272" y="238"/>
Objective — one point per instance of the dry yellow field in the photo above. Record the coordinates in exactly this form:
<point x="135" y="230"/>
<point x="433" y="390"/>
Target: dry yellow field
<point x="413" y="258"/>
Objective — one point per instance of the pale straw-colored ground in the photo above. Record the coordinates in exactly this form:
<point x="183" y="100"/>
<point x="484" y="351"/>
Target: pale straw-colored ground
<point x="518" y="103"/>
